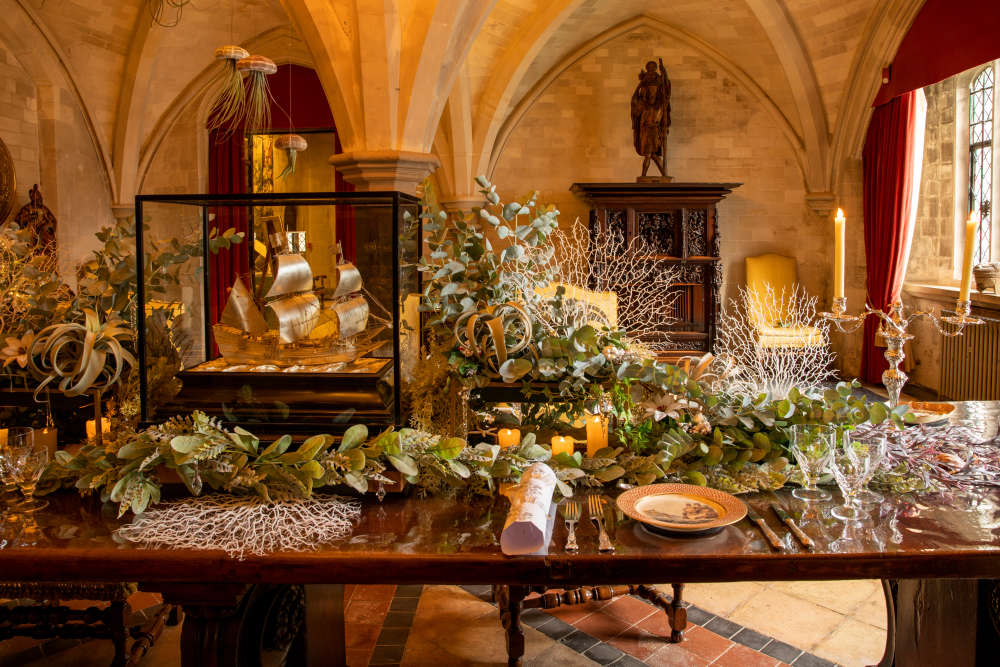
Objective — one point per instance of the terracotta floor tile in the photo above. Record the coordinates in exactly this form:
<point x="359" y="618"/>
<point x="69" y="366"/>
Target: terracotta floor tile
<point x="741" y="656"/>
<point x="142" y="600"/>
<point x="637" y="643"/>
<point x="674" y="655"/>
<point x="362" y="635"/>
<point x="374" y="593"/>
<point x="629" y="609"/>
<point x="657" y="624"/>
<point x="575" y="612"/>
<point x="358" y="658"/>
<point x="601" y="625"/>
<point x="704" y="643"/>
<point x="363" y="611"/>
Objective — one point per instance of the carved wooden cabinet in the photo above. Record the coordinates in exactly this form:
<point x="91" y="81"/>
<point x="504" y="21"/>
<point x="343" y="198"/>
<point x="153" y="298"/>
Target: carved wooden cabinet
<point x="679" y="222"/>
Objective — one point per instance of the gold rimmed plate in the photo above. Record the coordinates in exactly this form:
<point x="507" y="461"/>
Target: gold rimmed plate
<point x="924" y="412"/>
<point x="681" y="508"/>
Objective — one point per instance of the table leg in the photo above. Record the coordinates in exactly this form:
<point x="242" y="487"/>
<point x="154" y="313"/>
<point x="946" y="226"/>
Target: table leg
<point x="509" y="599"/>
<point x="936" y="621"/>
<point x="323" y="642"/>
<point x="234" y="625"/>
<point x="673" y="607"/>
<point x="213" y="619"/>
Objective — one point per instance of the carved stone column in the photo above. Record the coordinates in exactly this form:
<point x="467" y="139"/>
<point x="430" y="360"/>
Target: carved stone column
<point x="122" y="211"/>
<point x="463" y="204"/>
<point x="382" y="170"/>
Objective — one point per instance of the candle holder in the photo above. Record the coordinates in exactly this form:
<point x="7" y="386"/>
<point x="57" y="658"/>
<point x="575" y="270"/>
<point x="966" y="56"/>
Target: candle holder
<point x="894" y="327"/>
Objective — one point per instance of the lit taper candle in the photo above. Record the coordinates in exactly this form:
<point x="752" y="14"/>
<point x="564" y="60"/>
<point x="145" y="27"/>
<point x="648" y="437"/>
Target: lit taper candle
<point x="971" y="226"/>
<point x="839" y="223"/>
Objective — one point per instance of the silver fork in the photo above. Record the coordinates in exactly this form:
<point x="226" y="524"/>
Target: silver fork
<point x="596" y="506"/>
<point x="571" y="511"/>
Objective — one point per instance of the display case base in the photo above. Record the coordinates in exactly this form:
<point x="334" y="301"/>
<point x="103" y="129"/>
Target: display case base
<point x="271" y="403"/>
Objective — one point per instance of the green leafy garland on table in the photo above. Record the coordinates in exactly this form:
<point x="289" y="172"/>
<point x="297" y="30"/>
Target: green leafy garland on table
<point x="489" y="323"/>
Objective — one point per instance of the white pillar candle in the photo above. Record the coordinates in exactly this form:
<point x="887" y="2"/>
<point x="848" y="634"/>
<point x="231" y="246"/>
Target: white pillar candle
<point x="92" y="429"/>
<point x="509" y="437"/>
<point x="971" y="225"/>
<point x="597" y="434"/>
<point x="839" y="225"/>
<point x="562" y="445"/>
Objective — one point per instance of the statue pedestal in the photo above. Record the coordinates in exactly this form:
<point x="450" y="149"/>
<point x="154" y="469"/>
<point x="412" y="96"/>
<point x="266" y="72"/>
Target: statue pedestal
<point x="654" y="179"/>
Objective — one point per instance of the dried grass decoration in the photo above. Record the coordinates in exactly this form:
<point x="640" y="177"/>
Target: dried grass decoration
<point x="257" y="104"/>
<point x="227" y="111"/>
<point x="293" y="144"/>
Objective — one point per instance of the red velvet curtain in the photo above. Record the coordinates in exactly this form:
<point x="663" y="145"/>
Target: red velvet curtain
<point x="889" y="183"/>
<point x="227" y="174"/>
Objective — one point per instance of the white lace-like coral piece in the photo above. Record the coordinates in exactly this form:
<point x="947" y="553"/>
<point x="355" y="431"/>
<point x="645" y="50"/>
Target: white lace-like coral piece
<point x="241" y="525"/>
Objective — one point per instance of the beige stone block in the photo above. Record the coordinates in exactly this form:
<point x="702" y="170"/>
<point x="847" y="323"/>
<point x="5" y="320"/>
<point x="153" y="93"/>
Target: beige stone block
<point x="853" y="643"/>
<point x="788" y="618"/>
<point x="872" y="611"/>
<point x="721" y="598"/>
<point x="452" y="627"/>
<point x="840" y="596"/>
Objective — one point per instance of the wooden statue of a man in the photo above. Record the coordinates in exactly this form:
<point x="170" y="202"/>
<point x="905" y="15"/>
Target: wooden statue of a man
<point x="39" y="220"/>
<point x="651" y="117"/>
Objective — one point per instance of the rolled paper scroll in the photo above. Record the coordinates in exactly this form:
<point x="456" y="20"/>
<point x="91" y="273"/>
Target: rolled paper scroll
<point x="528" y="529"/>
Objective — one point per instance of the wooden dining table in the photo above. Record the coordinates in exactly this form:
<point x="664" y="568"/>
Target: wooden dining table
<point x="942" y="548"/>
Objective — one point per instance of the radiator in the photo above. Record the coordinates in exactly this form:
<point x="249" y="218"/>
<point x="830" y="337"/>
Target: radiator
<point x="970" y="363"/>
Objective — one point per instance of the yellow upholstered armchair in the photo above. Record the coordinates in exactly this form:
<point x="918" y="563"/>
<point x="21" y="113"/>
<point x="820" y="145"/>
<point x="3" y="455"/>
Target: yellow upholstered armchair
<point x="599" y="309"/>
<point x="773" y="301"/>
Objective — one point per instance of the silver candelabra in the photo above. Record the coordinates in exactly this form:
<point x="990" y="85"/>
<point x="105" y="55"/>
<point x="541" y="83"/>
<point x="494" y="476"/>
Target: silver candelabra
<point x="894" y="326"/>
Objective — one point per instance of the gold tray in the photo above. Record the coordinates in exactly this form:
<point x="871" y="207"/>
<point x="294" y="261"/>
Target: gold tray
<point x="925" y="412"/>
<point x="682" y="508"/>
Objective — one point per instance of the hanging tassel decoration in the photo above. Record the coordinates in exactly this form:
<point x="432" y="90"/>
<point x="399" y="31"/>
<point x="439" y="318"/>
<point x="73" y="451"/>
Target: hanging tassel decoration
<point x="257" y="110"/>
<point x="292" y="144"/>
<point x="227" y="111"/>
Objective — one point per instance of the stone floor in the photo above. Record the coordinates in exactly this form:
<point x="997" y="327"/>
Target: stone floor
<point x="807" y="624"/>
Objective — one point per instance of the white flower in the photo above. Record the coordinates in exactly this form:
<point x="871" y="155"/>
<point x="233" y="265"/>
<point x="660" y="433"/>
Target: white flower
<point x="17" y="349"/>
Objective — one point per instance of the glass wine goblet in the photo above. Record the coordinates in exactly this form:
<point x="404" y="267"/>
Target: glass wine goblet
<point x="878" y="449"/>
<point x="850" y="466"/>
<point x="28" y="462"/>
<point x="812" y="445"/>
<point x="11" y="441"/>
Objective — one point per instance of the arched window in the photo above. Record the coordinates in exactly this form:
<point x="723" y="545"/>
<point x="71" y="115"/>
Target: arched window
<point x="981" y="159"/>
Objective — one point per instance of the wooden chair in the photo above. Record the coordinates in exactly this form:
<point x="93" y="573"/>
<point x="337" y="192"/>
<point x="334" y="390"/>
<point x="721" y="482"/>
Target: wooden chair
<point x="36" y="611"/>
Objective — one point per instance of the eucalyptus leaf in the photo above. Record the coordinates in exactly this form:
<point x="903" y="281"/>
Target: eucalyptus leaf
<point x="449" y="448"/>
<point x="353" y="437"/>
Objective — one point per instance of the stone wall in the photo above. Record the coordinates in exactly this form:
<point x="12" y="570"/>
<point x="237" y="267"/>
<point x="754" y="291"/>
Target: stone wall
<point x="931" y="259"/>
<point x="579" y="130"/>
<point x="19" y="124"/>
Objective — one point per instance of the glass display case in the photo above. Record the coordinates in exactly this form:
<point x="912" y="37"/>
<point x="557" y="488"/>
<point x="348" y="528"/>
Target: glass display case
<point x="278" y="323"/>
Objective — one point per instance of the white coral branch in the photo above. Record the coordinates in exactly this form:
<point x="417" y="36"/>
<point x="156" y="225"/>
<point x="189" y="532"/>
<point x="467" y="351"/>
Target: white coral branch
<point x="774" y="343"/>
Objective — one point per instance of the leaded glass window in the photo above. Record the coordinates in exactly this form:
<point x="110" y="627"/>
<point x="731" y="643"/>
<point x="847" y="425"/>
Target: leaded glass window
<point x="981" y="159"/>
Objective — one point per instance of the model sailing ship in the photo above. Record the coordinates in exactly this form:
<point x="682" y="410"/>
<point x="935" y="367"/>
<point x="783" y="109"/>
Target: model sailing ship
<point x="291" y="324"/>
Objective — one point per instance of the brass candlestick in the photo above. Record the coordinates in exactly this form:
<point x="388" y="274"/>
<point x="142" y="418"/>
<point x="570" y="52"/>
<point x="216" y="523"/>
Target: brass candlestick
<point x="894" y="330"/>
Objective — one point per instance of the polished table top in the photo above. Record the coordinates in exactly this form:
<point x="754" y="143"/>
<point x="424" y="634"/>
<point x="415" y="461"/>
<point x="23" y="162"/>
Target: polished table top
<point x="438" y="540"/>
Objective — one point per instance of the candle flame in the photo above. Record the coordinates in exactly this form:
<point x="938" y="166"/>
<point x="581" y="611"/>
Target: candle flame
<point x="840" y="214"/>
